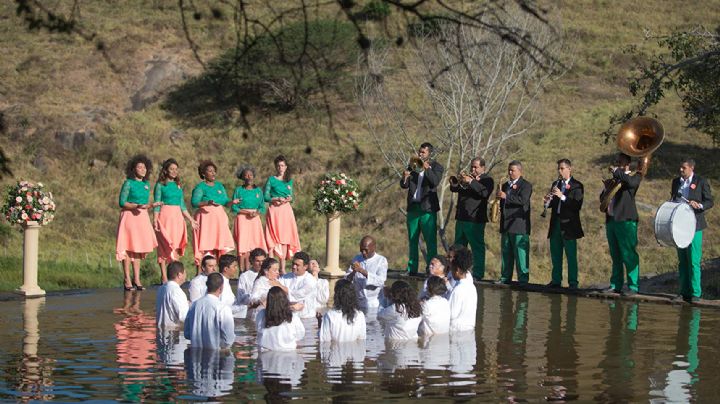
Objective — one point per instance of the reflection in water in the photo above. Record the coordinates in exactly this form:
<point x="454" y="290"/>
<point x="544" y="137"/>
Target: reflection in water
<point x="210" y="371"/>
<point x="135" y="334"/>
<point x="279" y="372"/>
<point x="562" y="357"/>
<point x="35" y="372"/>
<point x="511" y="345"/>
<point x="618" y="365"/>
<point x="683" y="377"/>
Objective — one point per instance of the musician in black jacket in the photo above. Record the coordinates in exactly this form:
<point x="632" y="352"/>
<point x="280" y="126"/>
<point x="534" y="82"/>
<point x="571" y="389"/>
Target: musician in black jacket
<point x="471" y="214"/>
<point x="422" y="206"/>
<point x="564" y="201"/>
<point x="515" y="225"/>
<point x="694" y="190"/>
<point x="621" y="220"/>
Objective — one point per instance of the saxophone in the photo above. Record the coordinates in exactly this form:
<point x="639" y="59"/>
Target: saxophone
<point x="495" y="205"/>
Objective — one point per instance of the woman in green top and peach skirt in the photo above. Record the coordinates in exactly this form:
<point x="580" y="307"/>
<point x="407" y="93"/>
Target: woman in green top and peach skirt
<point x="135" y="235"/>
<point x="168" y="221"/>
<point x="212" y="236"/>
<point x="281" y="234"/>
<point x="248" y="230"/>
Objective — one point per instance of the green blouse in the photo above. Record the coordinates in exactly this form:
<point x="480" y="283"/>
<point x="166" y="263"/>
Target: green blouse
<point x="275" y="188"/>
<point x="169" y="194"/>
<point x="134" y="191"/>
<point x="204" y="192"/>
<point x="250" y="199"/>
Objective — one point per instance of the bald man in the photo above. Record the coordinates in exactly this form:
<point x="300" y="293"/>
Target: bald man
<point x="368" y="273"/>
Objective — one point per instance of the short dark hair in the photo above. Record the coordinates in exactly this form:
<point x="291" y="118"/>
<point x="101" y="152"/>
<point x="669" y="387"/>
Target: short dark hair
<point x="480" y="159"/>
<point x="436" y="286"/>
<point x="203" y="166"/>
<point x="258" y="252"/>
<point x="564" y="161"/>
<point x="427" y="145"/>
<point x="689" y="161"/>
<point x="241" y="171"/>
<point x="134" y="161"/>
<point x="463" y="260"/>
<point x="214" y="282"/>
<point x="174" y="269"/>
<point x="206" y="259"/>
<point x="302" y="255"/>
<point x="226" y="260"/>
<point x="515" y="163"/>
<point x="277" y="310"/>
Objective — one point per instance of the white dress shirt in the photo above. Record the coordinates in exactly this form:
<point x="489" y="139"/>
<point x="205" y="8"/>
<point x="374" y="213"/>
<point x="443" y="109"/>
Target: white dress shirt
<point x="684" y="188"/>
<point x="449" y="284"/>
<point x="198" y="287"/>
<point x="323" y="293"/>
<point x="436" y="316"/>
<point x="283" y="337"/>
<point x="335" y="327"/>
<point x="368" y="288"/>
<point x="171" y="305"/>
<point x="210" y="324"/>
<point x="417" y="196"/>
<point x="463" y="305"/>
<point x="227" y="296"/>
<point x="260" y="289"/>
<point x="398" y="326"/>
<point x="303" y="289"/>
<point x="245" y="287"/>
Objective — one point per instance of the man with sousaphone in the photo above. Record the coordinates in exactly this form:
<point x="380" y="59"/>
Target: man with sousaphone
<point x="421" y="179"/>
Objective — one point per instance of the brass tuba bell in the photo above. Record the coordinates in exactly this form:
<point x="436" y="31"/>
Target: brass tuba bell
<point x="638" y="137"/>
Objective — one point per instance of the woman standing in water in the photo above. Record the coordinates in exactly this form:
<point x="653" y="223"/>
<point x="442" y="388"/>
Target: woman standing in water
<point x="135" y="235"/>
<point x="212" y="235"/>
<point x="248" y="231"/>
<point x="281" y="234"/>
<point x="168" y="221"/>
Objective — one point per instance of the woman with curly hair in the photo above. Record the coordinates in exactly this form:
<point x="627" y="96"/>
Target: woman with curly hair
<point x="248" y="230"/>
<point x="135" y="235"/>
<point x="170" y="227"/>
<point x="277" y="328"/>
<point x="439" y="267"/>
<point x="212" y="235"/>
<point x="344" y="322"/>
<point x="402" y="317"/>
<point x="281" y="234"/>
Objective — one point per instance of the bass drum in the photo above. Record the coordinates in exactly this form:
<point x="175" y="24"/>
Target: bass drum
<point x="675" y="224"/>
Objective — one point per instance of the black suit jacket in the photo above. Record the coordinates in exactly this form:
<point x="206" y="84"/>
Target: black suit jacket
<point x="699" y="193"/>
<point x="473" y="200"/>
<point x="429" y="200"/>
<point x="515" y="209"/>
<point x="624" y="202"/>
<point x="569" y="216"/>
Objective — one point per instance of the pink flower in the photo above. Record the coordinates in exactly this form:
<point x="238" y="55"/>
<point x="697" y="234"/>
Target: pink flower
<point x="18" y="199"/>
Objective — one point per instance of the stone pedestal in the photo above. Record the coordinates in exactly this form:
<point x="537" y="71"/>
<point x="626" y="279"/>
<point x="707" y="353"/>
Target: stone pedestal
<point x="30" y="286"/>
<point x="332" y="248"/>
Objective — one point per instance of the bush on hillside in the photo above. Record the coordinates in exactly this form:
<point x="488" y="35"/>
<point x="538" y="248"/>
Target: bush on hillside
<point x="375" y="10"/>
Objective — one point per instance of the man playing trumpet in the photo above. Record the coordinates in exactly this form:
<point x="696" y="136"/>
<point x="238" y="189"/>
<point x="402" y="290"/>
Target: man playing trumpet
<point x="564" y="200"/>
<point x="471" y="214"/>
<point x="422" y="206"/>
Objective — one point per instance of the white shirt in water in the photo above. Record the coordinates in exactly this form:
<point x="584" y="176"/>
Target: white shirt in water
<point x="244" y="289"/>
<point x="171" y="345"/>
<point x="284" y="366"/>
<point x="334" y="327"/>
<point x="227" y="296"/>
<point x="463" y="305"/>
<point x="339" y="354"/>
<point x="368" y="288"/>
<point x="171" y="305"/>
<point x="198" y="287"/>
<point x="260" y="289"/>
<point x="210" y="372"/>
<point x="449" y="284"/>
<point x="283" y="337"/>
<point x="323" y="293"/>
<point x="210" y="324"/>
<point x="436" y="316"/>
<point x="303" y="289"/>
<point x="398" y="326"/>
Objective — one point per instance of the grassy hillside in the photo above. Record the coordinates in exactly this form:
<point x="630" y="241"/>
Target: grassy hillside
<point x="69" y="122"/>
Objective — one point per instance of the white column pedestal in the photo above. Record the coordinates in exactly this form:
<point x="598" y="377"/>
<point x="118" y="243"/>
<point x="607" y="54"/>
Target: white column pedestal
<point x="30" y="286"/>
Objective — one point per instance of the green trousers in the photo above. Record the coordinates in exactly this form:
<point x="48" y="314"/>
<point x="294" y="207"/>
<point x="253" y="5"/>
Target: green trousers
<point x="473" y="233"/>
<point x="689" y="267"/>
<point x="557" y="245"/>
<point x="425" y="222"/>
<point x="515" y="253"/>
<point x="622" y="240"/>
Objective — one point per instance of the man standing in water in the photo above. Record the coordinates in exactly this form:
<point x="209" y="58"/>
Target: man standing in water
<point x="368" y="273"/>
<point x="209" y="323"/>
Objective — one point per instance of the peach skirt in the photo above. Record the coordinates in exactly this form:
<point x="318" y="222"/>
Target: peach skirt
<point x="172" y="237"/>
<point x="135" y="235"/>
<point x="248" y="234"/>
<point x="213" y="233"/>
<point x="281" y="229"/>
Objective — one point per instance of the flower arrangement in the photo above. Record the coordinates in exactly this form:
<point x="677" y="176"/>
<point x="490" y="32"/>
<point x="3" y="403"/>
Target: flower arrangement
<point x="336" y="193"/>
<point x="27" y="202"/>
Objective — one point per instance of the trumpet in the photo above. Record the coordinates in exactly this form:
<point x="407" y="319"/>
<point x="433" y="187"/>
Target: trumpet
<point x="455" y="180"/>
<point x="549" y="196"/>
<point x="495" y="205"/>
<point x="416" y="164"/>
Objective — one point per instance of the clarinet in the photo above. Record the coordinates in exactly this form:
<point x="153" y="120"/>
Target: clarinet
<point x="555" y="183"/>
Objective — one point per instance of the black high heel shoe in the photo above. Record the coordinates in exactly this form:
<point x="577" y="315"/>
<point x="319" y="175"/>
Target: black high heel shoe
<point x="128" y="288"/>
<point x="137" y="286"/>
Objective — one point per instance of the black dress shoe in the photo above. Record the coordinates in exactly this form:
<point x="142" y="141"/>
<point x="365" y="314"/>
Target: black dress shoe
<point x="630" y="292"/>
<point x="610" y="290"/>
<point x="552" y="285"/>
<point x="572" y="287"/>
<point x="692" y="299"/>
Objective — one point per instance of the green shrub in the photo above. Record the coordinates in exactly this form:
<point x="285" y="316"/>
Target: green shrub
<point x="375" y="10"/>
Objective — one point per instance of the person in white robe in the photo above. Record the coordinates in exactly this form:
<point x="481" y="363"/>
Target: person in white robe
<point x="246" y="281"/>
<point x="345" y="321"/>
<point x="209" y="323"/>
<point x="323" y="287"/>
<point x="268" y="277"/>
<point x="171" y="304"/>
<point x="463" y="299"/>
<point x="228" y="268"/>
<point x="302" y="286"/>
<point x="198" y="286"/>
<point x="439" y="267"/>
<point x="368" y="273"/>
<point x="277" y="328"/>
<point x="402" y="317"/>
<point x="436" y="309"/>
